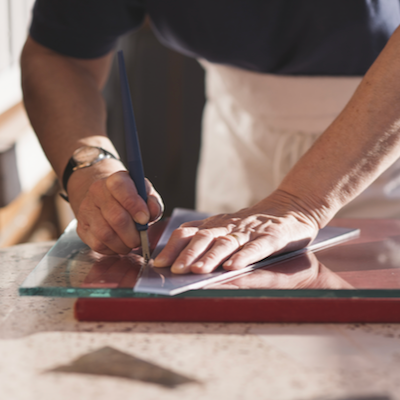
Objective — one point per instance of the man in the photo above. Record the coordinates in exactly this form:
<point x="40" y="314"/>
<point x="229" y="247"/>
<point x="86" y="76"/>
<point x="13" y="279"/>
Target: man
<point x="66" y="61"/>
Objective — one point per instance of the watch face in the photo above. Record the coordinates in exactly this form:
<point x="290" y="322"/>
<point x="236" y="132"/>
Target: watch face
<point x="87" y="155"/>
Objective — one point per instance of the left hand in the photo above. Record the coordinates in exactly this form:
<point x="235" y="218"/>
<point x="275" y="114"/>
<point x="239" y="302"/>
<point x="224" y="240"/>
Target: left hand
<point x="276" y="224"/>
<point x="107" y="205"/>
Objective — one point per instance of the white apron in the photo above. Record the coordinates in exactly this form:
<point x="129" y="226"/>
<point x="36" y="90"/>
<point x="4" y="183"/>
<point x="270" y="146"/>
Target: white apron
<point x="256" y="126"/>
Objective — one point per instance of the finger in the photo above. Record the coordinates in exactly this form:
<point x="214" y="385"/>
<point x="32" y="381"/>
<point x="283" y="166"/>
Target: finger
<point x="103" y="233"/>
<point x="88" y="218"/>
<point x="179" y="239"/>
<point x="122" y="223"/>
<point x="156" y="209"/>
<point x="154" y="202"/>
<point x="106" y="235"/>
<point x="199" y="244"/>
<point x="115" y="217"/>
<point x="223" y="247"/>
<point x="253" y="251"/>
<point x="124" y="191"/>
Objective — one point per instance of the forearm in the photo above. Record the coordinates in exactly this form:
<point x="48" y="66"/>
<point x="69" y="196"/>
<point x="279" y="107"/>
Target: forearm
<point x="63" y="99"/>
<point x="359" y="145"/>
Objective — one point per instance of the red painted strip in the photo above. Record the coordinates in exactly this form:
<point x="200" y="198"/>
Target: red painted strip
<point x="239" y="310"/>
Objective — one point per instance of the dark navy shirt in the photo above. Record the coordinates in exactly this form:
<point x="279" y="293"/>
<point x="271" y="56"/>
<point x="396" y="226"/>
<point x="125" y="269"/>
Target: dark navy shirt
<point x="296" y="37"/>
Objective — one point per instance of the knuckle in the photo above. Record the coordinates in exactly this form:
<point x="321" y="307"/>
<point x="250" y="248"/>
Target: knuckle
<point x="123" y="190"/>
<point x="182" y="232"/>
<point x="256" y="247"/>
<point x="190" y="253"/>
<point x="130" y="203"/>
<point x="82" y="229"/>
<point x="204" y="234"/>
<point x="227" y="240"/>
<point x="115" y="181"/>
<point x="212" y="256"/>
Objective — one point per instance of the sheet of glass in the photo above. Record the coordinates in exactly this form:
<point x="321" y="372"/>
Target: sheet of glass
<point x="367" y="266"/>
<point x="163" y="281"/>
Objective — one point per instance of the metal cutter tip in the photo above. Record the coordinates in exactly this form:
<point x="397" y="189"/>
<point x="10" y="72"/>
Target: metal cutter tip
<point x="144" y="239"/>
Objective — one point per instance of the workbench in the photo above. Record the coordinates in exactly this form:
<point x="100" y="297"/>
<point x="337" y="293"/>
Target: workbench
<point x="228" y="360"/>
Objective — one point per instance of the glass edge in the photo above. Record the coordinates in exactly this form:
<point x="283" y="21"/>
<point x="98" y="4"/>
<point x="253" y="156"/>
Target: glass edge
<point x="209" y="293"/>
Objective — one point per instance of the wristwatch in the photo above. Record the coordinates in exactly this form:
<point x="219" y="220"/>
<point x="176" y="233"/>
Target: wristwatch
<point x="83" y="157"/>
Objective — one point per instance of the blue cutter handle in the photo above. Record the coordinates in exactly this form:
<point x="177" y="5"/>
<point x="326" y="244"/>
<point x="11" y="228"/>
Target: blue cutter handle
<point x="134" y="157"/>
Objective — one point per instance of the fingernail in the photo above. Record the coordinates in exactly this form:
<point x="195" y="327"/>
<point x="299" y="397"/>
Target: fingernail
<point x="178" y="268"/>
<point x="198" y="264"/>
<point x="141" y="218"/>
<point x="228" y="263"/>
<point x="160" y="262"/>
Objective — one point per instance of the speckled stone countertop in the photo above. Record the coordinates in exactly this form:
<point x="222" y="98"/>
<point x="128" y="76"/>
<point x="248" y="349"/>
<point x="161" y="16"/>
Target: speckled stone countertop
<point x="229" y="361"/>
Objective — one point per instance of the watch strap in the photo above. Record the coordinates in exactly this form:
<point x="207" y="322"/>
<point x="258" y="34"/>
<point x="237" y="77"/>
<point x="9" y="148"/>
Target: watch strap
<point x="70" y="168"/>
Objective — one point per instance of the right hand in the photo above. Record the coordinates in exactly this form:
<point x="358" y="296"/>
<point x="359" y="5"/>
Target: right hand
<point x="277" y="224"/>
<point x="108" y="209"/>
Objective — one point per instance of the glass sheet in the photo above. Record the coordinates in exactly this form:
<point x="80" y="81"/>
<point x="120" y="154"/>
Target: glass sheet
<point x="368" y="266"/>
<point x="163" y="281"/>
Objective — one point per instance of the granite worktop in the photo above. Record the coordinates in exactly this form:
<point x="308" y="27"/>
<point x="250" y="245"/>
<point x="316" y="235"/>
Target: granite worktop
<point x="223" y="361"/>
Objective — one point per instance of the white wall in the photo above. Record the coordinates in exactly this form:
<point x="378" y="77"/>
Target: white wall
<point x="15" y="17"/>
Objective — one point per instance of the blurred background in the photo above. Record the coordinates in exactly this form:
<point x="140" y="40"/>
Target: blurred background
<point x="168" y="98"/>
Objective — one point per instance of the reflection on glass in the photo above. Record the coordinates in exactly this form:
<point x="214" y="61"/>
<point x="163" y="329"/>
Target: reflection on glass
<point x="113" y="272"/>
<point x="371" y="263"/>
<point x="302" y="272"/>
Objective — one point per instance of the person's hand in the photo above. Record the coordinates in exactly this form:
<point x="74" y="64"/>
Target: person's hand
<point x="107" y="212"/>
<point x="276" y="224"/>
